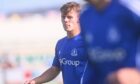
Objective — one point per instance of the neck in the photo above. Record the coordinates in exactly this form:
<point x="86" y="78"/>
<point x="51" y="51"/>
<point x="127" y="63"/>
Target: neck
<point x="102" y="4"/>
<point x="74" y="33"/>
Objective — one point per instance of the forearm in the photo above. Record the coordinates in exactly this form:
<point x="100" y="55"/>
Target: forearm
<point x="47" y="76"/>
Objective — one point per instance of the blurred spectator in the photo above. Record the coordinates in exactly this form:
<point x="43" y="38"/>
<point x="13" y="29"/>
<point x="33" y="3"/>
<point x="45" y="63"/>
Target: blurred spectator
<point x="6" y="62"/>
<point x="4" y="65"/>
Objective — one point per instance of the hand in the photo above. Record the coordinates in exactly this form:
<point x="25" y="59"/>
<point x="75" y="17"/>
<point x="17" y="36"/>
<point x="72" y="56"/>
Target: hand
<point x="124" y="76"/>
<point x="128" y="76"/>
<point x="30" y="82"/>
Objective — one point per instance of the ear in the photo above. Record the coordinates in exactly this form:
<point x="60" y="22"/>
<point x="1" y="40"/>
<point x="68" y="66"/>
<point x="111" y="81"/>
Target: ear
<point x="78" y="21"/>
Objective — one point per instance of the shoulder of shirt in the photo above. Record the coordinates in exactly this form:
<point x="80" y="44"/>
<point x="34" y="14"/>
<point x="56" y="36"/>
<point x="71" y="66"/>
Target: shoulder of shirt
<point x="61" y="40"/>
<point x="79" y="37"/>
<point x="86" y="8"/>
<point x="132" y="5"/>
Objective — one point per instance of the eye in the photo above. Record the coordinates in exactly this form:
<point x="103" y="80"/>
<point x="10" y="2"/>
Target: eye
<point x="69" y="17"/>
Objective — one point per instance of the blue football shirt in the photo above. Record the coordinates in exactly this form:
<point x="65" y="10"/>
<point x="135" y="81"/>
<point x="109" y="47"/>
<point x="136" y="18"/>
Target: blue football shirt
<point x="111" y="37"/>
<point x="71" y="58"/>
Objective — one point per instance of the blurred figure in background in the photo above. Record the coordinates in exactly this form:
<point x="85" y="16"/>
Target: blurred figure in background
<point x="5" y="64"/>
<point x="70" y="55"/>
<point x="111" y="29"/>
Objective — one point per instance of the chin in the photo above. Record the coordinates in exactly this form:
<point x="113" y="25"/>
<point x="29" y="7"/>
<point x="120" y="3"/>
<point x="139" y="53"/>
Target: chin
<point x="68" y="30"/>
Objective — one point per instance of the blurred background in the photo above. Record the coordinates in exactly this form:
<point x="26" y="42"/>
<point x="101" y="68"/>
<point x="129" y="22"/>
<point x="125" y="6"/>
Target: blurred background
<point x="29" y="30"/>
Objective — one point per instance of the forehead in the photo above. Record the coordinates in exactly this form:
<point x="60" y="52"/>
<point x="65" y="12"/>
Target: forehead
<point x="72" y="12"/>
<point x="94" y="1"/>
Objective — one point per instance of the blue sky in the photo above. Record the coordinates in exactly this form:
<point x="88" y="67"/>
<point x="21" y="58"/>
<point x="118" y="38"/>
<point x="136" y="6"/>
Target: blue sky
<point x="7" y="6"/>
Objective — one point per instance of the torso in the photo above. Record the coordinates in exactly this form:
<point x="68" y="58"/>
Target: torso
<point x="72" y="58"/>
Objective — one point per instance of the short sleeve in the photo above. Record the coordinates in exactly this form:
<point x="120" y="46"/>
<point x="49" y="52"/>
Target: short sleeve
<point x="56" y="58"/>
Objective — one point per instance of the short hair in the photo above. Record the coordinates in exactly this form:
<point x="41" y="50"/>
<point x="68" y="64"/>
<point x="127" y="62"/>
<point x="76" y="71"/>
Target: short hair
<point x="66" y="8"/>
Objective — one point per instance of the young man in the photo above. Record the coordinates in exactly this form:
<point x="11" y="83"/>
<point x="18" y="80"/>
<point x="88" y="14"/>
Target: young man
<point x="111" y="29"/>
<point x="70" y="55"/>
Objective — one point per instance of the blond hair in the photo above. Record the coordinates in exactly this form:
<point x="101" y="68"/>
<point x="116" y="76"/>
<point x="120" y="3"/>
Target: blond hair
<point x="66" y="8"/>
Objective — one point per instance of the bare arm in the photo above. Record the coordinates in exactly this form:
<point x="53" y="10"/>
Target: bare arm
<point x="47" y="76"/>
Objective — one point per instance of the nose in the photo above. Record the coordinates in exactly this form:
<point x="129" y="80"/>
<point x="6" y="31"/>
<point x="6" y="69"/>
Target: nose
<point x="65" y="19"/>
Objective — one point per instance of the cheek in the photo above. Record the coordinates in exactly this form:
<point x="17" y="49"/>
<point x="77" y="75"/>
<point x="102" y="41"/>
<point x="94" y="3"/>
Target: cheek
<point x="75" y="21"/>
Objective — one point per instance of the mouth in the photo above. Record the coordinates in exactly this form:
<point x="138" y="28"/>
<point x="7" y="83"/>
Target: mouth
<point x="67" y="25"/>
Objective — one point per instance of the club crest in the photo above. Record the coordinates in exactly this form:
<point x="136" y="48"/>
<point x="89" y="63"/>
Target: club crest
<point x="74" y="52"/>
<point x="113" y="35"/>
